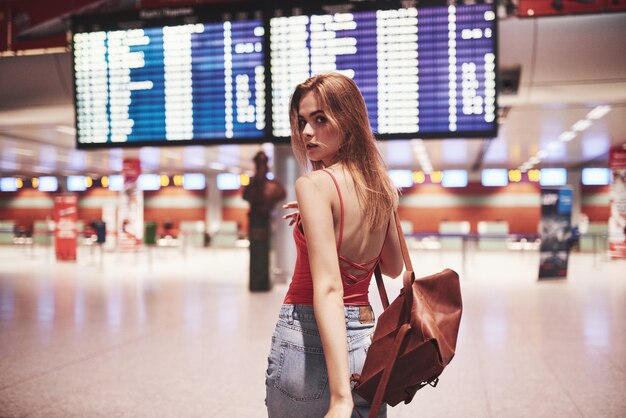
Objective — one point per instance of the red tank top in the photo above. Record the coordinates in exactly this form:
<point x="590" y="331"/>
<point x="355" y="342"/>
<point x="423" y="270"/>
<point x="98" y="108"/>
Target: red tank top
<point x="355" y="286"/>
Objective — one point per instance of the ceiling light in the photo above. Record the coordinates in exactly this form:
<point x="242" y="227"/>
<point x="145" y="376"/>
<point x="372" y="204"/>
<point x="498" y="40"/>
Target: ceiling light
<point x="534" y="175"/>
<point x="552" y="146"/>
<point x="42" y="169"/>
<point x="65" y="130"/>
<point x="515" y="176"/>
<point x="24" y="152"/>
<point x="598" y="112"/>
<point x="419" y="177"/>
<point x="581" y="125"/>
<point x="35" y="51"/>
<point x="436" y="176"/>
<point x="216" y="166"/>
<point x="567" y="136"/>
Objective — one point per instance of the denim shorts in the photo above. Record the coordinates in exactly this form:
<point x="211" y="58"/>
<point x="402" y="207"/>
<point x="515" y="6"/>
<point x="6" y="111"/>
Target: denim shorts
<point x="297" y="379"/>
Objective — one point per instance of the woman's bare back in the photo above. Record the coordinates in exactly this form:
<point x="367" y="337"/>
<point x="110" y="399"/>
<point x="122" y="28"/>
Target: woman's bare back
<point x="359" y="243"/>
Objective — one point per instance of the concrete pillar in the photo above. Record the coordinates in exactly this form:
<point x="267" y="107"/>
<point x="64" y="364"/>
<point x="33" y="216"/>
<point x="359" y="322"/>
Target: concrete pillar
<point x="285" y="168"/>
<point x="213" y="214"/>
<point x="574" y="180"/>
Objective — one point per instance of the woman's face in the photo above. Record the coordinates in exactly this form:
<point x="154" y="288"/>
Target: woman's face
<point x="321" y="139"/>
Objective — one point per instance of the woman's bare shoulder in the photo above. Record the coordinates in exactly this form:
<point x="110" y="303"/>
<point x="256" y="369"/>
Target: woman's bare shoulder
<point x="313" y="180"/>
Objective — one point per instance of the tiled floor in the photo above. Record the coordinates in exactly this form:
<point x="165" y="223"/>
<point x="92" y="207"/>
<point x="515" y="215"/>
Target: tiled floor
<point x="169" y="334"/>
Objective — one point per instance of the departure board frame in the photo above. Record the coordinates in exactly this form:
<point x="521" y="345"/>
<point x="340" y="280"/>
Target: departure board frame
<point x="179" y="116"/>
<point x="286" y="9"/>
<point x="266" y="113"/>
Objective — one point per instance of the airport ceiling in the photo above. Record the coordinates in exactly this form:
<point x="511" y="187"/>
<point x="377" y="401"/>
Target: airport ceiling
<point x="570" y="65"/>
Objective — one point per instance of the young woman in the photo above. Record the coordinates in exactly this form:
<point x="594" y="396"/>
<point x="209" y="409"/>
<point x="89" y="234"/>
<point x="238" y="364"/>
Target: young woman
<point x="343" y="228"/>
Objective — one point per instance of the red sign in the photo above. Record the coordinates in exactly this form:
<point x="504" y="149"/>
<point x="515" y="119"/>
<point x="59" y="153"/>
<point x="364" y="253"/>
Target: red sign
<point x="131" y="169"/>
<point x="617" y="219"/>
<point x="617" y="157"/>
<point x="537" y="8"/>
<point x="65" y="233"/>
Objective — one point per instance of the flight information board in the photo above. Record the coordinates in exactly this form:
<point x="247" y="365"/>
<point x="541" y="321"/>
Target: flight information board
<point x="224" y="75"/>
<point x="139" y="84"/>
<point x="425" y="72"/>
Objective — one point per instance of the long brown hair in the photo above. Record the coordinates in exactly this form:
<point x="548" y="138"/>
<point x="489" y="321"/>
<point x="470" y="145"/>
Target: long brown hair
<point x="343" y="104"/>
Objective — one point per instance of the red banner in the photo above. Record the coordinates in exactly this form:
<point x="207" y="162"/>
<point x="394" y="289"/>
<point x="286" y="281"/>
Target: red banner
<point x="130" y="215"/>
<point x="617" y="220"/>
<point x="131" y="169"/>
<point x="537" y="8"/>
<point x="65" y="233"/>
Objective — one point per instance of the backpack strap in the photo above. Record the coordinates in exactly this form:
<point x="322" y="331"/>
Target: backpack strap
<point x="408" y="279"/>
<point x="384" y="379"/>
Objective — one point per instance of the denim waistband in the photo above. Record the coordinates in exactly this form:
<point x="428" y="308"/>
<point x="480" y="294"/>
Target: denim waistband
<point x="306" y="313"/>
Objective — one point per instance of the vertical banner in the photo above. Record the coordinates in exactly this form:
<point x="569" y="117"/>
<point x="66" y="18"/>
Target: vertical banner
<point x="617" y="220"/>
<point x="555" y="231"/>
<point x="130" y="217"/>
<point x="65" y="231"/>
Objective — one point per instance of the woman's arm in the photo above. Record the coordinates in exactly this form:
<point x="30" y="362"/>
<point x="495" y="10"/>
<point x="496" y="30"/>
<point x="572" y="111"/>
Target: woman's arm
<point x="391" y="263"/>
<point x="314" y="203"/>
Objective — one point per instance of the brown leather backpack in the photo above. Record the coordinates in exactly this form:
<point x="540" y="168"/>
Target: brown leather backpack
<point x="415" y="336"/>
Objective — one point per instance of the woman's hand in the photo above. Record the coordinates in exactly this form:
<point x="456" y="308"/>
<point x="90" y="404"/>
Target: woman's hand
<point x="340" y="409"/>
<point x="292" y="216"/>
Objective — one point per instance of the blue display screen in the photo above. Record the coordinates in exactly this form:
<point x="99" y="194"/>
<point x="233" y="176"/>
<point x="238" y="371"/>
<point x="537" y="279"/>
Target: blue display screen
<point x="195" y="82"/>
<point x="149" y="182"/>
<point x="76" y="184"/>
<point x="401" y="178"/>
<point x="495" y="177"/>
<point x="228" y="181"/>
<point x="553" y="177"/>
<point x="423" y="72"/>
<point x="194" y="181"/>
<point x="454" y="178"/>
<point x="596" y="176"/>
<point x="565" y="201"/>
<point x="214" y="75"/>
<point x="48" y="184"/>
<point x="8" y="184"/>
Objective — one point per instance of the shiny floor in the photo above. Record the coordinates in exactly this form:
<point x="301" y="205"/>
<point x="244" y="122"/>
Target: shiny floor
<point x="173" y="334"/>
